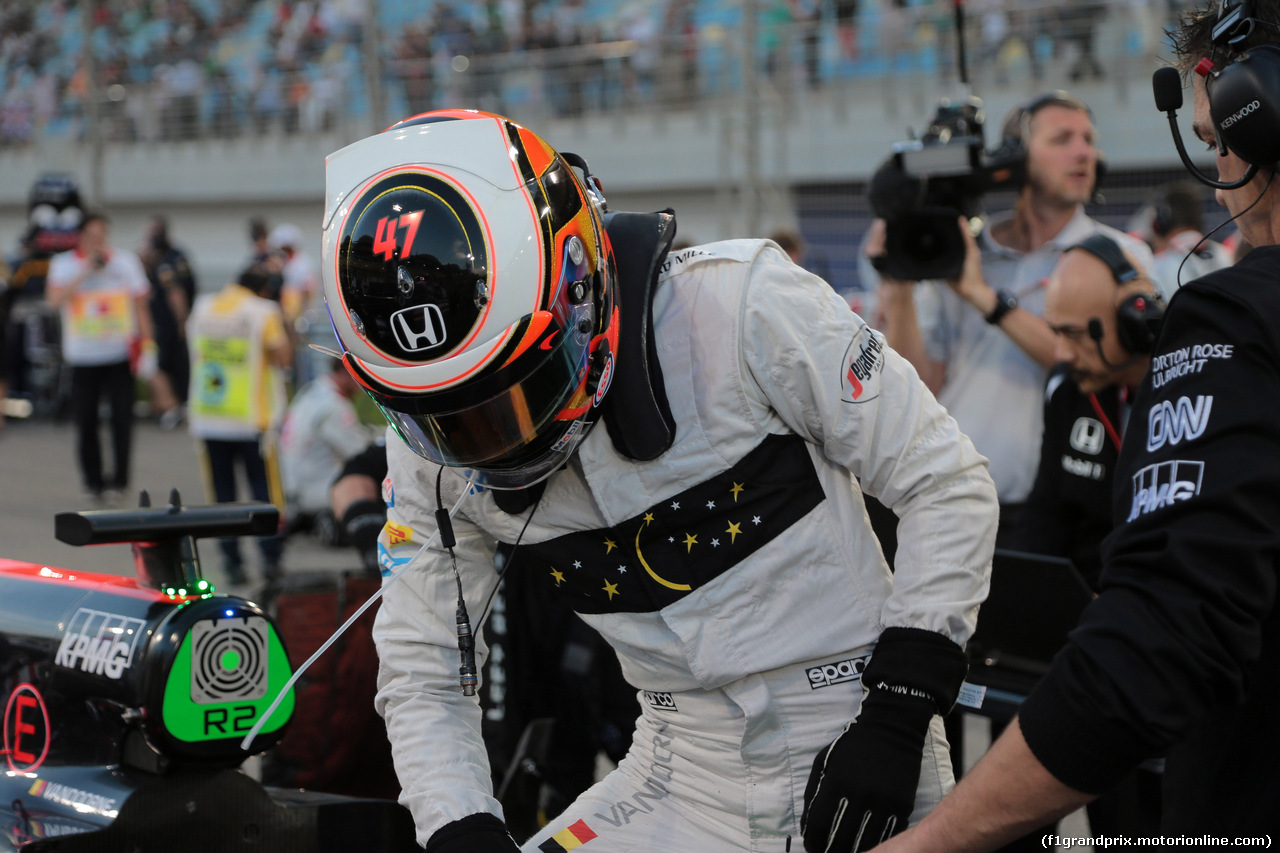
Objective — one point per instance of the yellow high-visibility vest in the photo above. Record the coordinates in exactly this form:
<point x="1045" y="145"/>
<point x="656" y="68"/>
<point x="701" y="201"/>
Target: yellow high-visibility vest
<point x="235" y="392"/>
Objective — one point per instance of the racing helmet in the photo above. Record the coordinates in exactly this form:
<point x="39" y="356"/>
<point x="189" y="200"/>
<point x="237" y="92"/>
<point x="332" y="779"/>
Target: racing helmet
<point x="471" y="286"/>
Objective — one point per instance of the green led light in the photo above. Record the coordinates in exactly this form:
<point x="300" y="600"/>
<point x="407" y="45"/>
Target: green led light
<point x="182" y="592"/>
<point x="203" y="584"/>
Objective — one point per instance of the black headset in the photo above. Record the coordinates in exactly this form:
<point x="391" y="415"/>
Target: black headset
<point x="1242" y="96"/>
<point x="1013" y="144"/>
<point x="1162" y="215"/>
<point x="1138" y="315"/>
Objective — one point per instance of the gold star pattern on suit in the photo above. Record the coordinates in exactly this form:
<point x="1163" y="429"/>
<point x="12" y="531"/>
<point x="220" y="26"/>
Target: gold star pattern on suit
<point x="735" y="513"/>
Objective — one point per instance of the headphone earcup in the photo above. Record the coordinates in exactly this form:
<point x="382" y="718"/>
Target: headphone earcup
<point x="1162" y="218"/>
<point x="1244" y="105"/>
<point x="1138" y="320"/>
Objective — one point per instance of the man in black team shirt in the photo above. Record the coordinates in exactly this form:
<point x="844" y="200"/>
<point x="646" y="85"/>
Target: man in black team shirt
<point x="1105" y="315"/>
<point x="1180" y="653"/>
<point x="1094" y="289"/>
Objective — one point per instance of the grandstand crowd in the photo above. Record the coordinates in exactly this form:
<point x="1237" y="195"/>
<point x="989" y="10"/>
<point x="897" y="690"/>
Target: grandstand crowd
<point x="162" y="70"/>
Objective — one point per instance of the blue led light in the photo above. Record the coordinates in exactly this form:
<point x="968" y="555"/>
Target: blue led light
<point x="230" y="613"/>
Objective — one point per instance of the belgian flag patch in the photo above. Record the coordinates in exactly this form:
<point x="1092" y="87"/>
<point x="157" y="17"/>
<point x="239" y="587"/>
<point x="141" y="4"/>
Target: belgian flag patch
<point x="568" y="838"/>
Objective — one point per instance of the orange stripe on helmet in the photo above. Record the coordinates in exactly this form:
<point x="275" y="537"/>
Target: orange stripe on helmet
<point x="536" y="149"/>
<point x="535" y="331"/>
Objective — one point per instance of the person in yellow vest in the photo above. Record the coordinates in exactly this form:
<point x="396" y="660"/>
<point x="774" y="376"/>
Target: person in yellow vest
<point x="238" y="352"/>
<point x="102" y="294"/>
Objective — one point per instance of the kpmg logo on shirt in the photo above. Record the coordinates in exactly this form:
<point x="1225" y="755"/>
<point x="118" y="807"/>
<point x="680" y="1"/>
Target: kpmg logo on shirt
<point x="1087" y="436"/>
<point x="1173" y="423"/>
<point x="418" y="328"/>
<point x="1162" y="484"/>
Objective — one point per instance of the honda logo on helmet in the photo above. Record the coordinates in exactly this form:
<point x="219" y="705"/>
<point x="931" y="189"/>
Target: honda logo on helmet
<point x="418" y="328"/>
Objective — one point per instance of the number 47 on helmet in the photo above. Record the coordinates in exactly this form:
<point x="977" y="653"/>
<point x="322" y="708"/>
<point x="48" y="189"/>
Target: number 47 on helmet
<point x="472" y="288"/>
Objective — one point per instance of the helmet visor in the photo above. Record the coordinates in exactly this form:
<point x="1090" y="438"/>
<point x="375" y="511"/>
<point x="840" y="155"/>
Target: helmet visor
<point x="527" y="417"/>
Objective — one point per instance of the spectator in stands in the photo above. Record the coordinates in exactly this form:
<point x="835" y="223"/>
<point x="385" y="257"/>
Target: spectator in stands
<point x="412" y="64"/>
<point x="173" y="290"/>
<point x="979" y="341"/>
<point x="102" y="294"/>
<point x="1078" y="24"/>
<point x="321" y="431"/>
<point x="1177" y="237"/>
<point x="238" y="349"/>
<point x="847" y="27"/>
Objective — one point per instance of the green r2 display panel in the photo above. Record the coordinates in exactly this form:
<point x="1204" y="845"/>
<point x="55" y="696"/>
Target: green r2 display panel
<point x="227" y="672"/>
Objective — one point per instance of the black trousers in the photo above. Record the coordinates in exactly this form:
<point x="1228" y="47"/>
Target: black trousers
<point x="262" y="474"/>
<point x="88" y="385"/>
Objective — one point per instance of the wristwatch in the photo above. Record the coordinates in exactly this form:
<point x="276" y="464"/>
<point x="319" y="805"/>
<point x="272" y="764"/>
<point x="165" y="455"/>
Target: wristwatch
<point x="1005" y="302"/>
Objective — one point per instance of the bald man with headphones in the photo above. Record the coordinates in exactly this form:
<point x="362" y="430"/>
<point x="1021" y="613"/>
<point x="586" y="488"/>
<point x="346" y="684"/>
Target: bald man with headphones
<point x="1104" y="314"/>
<point x="1179" y="655"/>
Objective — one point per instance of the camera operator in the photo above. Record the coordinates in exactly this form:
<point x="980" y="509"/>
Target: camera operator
<point x="978" y="340"/>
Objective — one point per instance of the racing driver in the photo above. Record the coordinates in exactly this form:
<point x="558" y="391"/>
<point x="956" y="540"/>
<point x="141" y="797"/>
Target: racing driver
<point x="710" y="530"/>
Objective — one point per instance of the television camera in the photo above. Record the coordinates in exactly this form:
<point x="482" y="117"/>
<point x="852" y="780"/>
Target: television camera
<point x="126" y="700"/>
<point x="928" y="183"/>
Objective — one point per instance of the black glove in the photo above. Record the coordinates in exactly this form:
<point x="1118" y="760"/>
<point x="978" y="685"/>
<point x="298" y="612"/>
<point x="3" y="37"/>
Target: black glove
<point x="862" y="788"/>
<point x="477" y="833"/>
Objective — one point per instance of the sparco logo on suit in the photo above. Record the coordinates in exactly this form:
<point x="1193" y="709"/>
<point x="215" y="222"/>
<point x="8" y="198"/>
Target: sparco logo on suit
<point x="418" y="328"/>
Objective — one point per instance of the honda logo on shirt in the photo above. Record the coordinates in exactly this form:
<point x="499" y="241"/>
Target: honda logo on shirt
<point x="1087" y="435"/>
<point x="418" y="328"/>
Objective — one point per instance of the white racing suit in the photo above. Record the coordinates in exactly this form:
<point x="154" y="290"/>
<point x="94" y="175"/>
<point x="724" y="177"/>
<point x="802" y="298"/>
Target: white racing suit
<point x="736" y="575"/>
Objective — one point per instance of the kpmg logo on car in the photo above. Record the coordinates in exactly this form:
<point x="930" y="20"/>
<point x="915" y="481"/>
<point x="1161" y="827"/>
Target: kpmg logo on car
<point x="418" y="328"/>
<point x="100" y="643"/>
